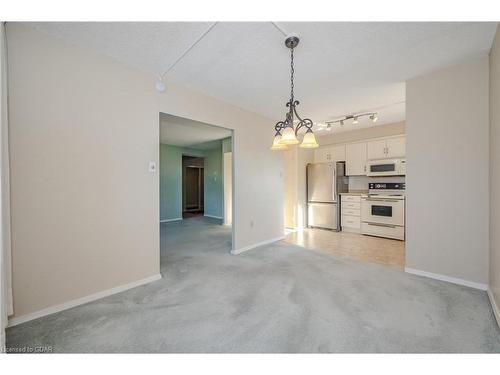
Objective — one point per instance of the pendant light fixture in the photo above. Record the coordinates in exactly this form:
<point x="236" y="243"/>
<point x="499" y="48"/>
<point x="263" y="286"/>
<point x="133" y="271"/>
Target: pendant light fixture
<point x="287" y="131"/>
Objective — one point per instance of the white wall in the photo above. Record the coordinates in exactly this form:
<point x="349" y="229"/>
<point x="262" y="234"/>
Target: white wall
<point x="447" y="172"/>
<point x="494" y="282"/>
<point x="84" y="206"/>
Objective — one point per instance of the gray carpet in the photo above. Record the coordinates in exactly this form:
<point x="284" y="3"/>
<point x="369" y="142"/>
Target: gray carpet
<point x="278" y="298"/>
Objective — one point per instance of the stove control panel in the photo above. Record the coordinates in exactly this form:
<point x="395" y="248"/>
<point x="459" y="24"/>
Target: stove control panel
<point x="386" y="186"/>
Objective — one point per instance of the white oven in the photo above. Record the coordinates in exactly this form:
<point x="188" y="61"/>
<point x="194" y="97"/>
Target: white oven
<point x="383" y="217"/>
<point x="386" y="167"/>
<point x="383" y="210"/>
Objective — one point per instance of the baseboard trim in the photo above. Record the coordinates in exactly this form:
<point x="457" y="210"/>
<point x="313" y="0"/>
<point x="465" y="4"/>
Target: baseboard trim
<point x="80" y="301"/>
<point x="494" y="306"/>
<point x="453" y="280"/>
<point x="214" y="217"/>
<point x="259" y="244"/>
<point x="170" y="220"/>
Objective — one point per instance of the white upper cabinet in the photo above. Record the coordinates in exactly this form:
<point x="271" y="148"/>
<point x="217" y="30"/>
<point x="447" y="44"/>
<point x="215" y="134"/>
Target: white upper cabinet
<point x="355" y="159"/>
<point x="386" y="148"/>
<point x="338" y="153"/>
<point x="329" y="153"/>
<point x="396" y="147"/>
<point x="322" y="154"/>
<point x="376" y="149"/>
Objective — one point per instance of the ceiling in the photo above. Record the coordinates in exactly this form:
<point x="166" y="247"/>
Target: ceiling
<point x="341" y="67"/>
<point x="178" y="131"/>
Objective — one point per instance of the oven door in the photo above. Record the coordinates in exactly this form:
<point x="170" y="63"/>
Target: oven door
<point x="383" y="168"/>
<point x="383" y="211"/>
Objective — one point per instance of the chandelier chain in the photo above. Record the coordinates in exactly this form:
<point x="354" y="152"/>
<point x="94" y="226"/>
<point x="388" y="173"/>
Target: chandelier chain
<point x="292" y="70"/>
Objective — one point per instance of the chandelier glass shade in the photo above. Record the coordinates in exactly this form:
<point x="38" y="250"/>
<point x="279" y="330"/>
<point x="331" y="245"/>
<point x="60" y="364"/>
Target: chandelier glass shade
<point x="277" y="145"/>
<point x="287" y="131"/>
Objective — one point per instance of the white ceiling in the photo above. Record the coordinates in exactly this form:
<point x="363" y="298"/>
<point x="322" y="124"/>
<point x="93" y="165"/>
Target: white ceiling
<point x="178" y="131"/>
<point x="341" y="67"/>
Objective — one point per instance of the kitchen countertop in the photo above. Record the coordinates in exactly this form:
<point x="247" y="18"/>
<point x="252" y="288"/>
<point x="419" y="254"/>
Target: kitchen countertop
<point x="355" y="192"/>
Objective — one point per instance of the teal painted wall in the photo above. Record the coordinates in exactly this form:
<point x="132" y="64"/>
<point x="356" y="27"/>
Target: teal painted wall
<point x="171" y="181"/>
<point x="226" y="145"/>
<point x="214" y="188"/>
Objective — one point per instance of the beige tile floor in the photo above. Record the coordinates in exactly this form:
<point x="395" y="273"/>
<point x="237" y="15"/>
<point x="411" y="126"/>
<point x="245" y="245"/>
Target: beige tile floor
<point x="352" y="245"/>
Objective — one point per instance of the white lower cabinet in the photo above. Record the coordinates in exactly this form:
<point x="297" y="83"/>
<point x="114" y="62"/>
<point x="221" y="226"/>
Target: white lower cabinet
<point x="350" y="218"/>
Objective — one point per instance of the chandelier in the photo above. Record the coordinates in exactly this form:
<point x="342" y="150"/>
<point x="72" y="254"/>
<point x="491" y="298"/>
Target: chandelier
<point x="287" y="131"/>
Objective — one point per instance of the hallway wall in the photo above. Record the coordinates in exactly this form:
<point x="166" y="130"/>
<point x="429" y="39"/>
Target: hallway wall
<point x="214" y="184"/>
<point x="171" y="180"/>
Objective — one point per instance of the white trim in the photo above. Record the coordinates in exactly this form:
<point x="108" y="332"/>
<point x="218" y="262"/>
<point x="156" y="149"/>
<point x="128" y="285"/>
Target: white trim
<point x="81" y="301"/>
<point x="214" y="217"/>
<point x="494" y="306"/>
<point x="246" y="248"/>
<point x="453" y="280"/>
<point x="169" y="220"/>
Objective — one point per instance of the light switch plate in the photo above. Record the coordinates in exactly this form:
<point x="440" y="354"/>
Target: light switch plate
<point x="152" y="167"/>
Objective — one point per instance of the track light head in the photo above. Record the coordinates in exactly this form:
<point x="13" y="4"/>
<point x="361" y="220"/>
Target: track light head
<point x="373" y="117"/>
<point x="355" y="120"/>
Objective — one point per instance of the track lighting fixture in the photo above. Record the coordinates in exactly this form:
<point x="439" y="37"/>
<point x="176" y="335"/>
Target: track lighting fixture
<point x="355" y="118"/>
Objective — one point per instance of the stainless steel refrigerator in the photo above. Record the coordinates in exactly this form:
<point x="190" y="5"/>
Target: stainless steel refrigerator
<point x="325" y="181"/>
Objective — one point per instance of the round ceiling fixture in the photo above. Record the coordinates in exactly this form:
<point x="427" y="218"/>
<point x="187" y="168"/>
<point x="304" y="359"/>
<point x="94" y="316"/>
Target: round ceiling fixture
<point x="160" y="85"/>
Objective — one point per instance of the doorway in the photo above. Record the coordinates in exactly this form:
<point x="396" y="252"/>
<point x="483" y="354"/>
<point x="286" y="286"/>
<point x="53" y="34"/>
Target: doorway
<point x="196" y="188"/>
<point x="193" y="188"/>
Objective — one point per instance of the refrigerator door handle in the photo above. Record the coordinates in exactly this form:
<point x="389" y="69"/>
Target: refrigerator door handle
<point x="334" y="185"/>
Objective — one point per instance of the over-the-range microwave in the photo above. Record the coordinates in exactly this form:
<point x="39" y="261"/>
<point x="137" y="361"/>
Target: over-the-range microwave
<point x="386" y="167"/>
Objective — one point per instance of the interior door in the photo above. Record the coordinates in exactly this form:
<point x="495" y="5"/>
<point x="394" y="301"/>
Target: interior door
<point x="192" y="188"/>
<point x="321" y="182"/>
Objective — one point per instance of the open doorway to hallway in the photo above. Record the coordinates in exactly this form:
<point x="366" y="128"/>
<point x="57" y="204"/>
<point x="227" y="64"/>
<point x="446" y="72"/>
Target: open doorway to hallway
<point x="196" y="188"/>
<point x="193" y="188"/>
